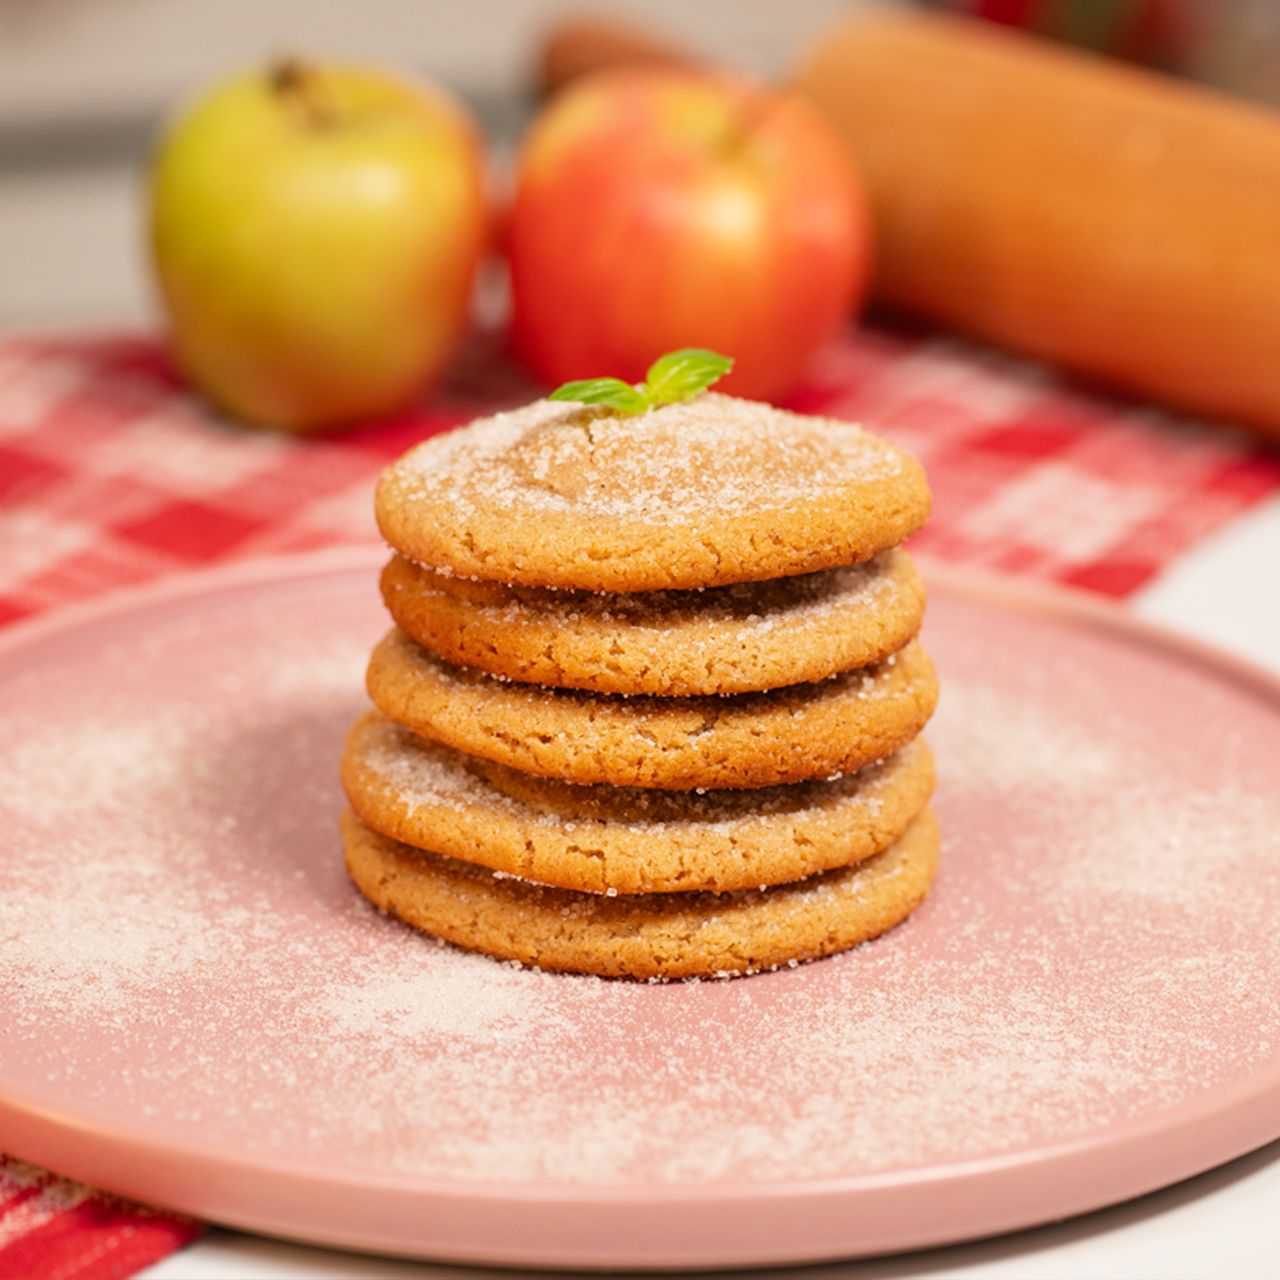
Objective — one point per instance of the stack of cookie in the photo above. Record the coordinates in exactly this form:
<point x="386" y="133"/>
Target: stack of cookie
<point x="651" y="703"/>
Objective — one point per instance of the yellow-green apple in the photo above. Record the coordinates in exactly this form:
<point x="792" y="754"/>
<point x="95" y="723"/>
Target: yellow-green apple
<point x="658" y="209"/>
<point x="316" y="230"/>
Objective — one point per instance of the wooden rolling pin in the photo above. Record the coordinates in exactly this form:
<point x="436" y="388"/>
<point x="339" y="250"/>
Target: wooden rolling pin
<point x="1113" y="221"/>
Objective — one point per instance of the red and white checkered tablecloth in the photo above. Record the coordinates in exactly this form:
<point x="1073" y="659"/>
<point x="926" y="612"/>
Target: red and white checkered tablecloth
<point x="111" y="474"/>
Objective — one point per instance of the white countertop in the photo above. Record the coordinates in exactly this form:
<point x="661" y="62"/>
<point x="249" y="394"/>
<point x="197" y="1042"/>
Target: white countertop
<point x="1223" y="1223"/>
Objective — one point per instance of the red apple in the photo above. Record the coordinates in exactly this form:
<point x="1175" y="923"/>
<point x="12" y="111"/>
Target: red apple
<point x="658" y="209"/>
<point x="315" y="231"/>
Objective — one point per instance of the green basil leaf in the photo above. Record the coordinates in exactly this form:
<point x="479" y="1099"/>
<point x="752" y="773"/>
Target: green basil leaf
<point x="680" y="375"/>
<point x="612" y="392"/>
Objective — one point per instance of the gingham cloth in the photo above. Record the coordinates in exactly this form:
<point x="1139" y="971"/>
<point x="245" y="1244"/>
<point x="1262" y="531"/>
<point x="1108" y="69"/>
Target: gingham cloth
<point x="111" y="475"/>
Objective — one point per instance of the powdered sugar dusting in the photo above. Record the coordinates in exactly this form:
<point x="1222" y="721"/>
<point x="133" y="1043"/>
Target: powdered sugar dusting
<point x="424" y="775"/>
<point x="90" y="944"/>
<point x="434" y="991"/>
<point x="59" y="771"/>
<point x="1011" y="746"/>
<point x="739" y="613"/>
<point x="414" y="664"/>
<point x="183" y="953"/>
<point x="710" y="457"/>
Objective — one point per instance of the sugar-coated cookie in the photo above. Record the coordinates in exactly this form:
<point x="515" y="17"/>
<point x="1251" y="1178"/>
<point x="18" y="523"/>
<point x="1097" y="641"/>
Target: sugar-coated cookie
<point x="670" y="935"/>
<point x="735" y="639"/>
<point x="742" y="740"/>
<point x="605" y="839"/>
<point x="706" y="492"/>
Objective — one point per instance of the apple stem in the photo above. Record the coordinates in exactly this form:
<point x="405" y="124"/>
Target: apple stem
<point x="757" y="106"/>
<point x="304" y="91"/>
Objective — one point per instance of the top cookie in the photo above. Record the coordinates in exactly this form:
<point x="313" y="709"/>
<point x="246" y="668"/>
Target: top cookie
<point x="703" y="493"/>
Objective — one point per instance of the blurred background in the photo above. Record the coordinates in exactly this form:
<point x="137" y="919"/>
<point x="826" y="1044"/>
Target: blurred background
<point x="84" y="83"/>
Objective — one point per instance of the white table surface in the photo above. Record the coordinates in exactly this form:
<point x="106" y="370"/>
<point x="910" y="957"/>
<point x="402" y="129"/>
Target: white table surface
<point x="1225" y="1223"/>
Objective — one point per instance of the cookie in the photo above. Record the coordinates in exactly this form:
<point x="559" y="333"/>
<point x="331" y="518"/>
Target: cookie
<point x="707" y="492"/>
<point x="669" y="935"/>
<point x="735" y="639"/>
<point x="623" y="841"/>
<point x="740" y="740"/>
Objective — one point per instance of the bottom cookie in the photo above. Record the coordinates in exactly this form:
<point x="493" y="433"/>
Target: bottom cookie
<point x="673" y="935"/>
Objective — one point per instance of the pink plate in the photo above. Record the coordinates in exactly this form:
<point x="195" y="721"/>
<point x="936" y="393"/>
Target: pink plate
<point x="197" y="1009"/>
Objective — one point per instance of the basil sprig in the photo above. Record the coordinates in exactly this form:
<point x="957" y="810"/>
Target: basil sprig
<point x="679" y="375"/>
